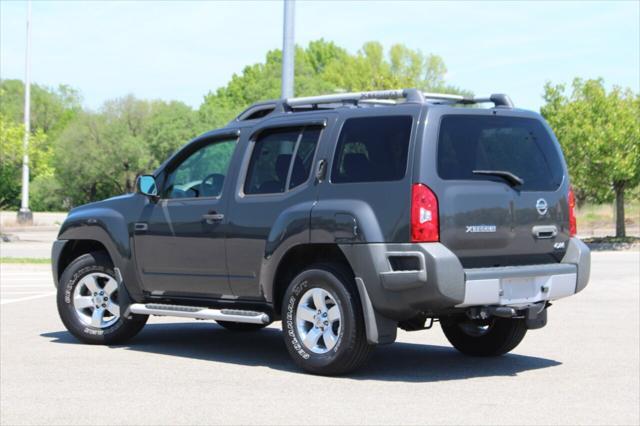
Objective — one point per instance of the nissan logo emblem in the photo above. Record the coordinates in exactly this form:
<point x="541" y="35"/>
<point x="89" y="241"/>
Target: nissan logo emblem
<point x="541" y="206"/>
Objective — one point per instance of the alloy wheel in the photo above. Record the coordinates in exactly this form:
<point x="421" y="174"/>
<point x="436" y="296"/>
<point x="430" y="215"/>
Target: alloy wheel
<point x="318" y="320"/>
<point x="95" y="300"/>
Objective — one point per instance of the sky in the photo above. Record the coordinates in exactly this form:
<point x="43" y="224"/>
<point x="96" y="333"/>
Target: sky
<point x="183" y="49"/>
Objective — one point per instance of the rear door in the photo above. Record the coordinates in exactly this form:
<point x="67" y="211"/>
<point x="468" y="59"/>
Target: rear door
<point x="488" y="218"/>
<point x="273" y="195"/>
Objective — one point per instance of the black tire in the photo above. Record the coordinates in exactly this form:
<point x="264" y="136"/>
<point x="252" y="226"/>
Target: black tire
<point x="492" y="337"/>
<point x="120" y="331"/>
<point x="241" y="326"/>
<point x="351" y="349"/>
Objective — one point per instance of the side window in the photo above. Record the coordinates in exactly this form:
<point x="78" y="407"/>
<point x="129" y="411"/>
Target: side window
<point x="281" y="159"/>
<point x="304" y="156"/>
<point x="372" y="149"/>
<point x="202" y="174"/>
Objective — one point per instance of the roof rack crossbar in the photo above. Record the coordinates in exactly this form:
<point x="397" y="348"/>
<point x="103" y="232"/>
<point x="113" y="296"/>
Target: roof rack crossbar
<point x="498" y="99"/>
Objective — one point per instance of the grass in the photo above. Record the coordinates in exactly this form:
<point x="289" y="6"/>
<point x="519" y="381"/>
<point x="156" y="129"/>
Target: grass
<point x="612" y="240"/>
<point x="592" y="216"/>
<point x="37" y="260"/>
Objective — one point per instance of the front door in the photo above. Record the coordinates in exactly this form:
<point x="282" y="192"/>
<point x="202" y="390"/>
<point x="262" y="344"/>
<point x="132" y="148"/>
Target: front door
<point x="180" y="240"/>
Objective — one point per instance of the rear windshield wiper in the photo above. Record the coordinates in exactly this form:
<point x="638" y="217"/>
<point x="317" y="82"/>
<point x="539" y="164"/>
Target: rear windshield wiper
<point x="508" y="176"/>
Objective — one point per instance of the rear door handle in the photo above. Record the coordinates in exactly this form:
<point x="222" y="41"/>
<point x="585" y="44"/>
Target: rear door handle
<point x="141" y="226"/>
<point x="321" y="170"/>
<point x="544" y="231"/>
<point x="213" y="217"/>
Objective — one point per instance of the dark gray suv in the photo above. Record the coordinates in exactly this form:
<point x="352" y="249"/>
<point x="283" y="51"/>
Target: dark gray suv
<point x="343" y="216"/>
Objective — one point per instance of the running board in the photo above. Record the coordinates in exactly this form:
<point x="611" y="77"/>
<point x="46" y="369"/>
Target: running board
<point x="232" y="315"/>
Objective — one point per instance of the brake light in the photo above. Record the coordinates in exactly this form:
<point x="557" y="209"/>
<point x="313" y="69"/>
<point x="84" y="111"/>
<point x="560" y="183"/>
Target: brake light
<point x="573" y="226"/>
<point x="424" y="215"/>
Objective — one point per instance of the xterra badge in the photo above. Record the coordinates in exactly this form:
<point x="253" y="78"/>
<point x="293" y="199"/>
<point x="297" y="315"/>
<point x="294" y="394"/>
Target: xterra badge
<point x="481" y="228"/>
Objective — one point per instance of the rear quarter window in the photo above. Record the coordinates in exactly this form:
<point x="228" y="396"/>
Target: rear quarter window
<point x="372" y="149"/>
<point x="518" y="145"/>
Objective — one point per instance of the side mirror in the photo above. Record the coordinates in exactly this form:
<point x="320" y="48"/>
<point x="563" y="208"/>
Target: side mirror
<point x="147" y="185"/>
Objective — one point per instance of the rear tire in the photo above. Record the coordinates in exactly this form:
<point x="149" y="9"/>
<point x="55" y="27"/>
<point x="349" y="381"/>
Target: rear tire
<point x="492" y="337"/>
<point x="241" y="326"/>
<point x="322" y="321"/>
<point x="87" y="302"/>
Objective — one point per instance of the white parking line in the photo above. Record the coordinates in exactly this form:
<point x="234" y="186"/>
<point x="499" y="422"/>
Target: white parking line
<point x="26" y="286"/>
<point x="24" y="273"/>
<point x="23" y="279"/>
<point x="23" y="299"/>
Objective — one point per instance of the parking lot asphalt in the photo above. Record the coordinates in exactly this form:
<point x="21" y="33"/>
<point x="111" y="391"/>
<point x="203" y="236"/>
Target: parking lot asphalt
<point x="583" y="368"/>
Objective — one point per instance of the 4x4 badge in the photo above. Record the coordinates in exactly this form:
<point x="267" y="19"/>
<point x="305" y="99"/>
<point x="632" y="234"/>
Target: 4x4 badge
<point x="541" y="206"/>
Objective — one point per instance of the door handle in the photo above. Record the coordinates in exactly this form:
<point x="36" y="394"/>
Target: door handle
<point x="544" y="231"/>
<point x="321" y="170"/>
<point x="140" y="226"/>
<point x="213" y="217"/>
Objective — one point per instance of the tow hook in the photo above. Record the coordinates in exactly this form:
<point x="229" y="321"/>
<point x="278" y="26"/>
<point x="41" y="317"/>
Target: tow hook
<point x="491" y="311"/>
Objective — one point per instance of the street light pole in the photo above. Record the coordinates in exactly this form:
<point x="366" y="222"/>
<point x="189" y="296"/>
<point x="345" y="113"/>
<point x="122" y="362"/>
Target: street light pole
<point x="288" y="49"/>
<point x="24" y="214"/>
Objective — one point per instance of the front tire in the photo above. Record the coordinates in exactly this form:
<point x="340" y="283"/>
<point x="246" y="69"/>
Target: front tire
<point x="88" y="305"/>
<point x="322" y="321"/>
<point x="492" y="337"/>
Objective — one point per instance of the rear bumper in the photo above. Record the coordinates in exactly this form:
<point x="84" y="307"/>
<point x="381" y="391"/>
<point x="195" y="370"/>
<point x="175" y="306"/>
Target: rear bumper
<point x="441" y="283"/>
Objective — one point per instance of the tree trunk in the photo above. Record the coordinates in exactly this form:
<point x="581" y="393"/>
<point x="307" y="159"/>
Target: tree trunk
<point x="618" y="187"/>
<point x="128" y="185"/>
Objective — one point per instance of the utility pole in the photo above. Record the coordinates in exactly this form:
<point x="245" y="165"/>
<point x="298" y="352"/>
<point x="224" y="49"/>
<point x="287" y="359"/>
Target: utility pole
<point x="24" y="214"/>
<point x="288" y="49"/>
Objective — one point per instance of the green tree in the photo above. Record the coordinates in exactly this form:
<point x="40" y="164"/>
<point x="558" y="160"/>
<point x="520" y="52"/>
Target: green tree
<point x="51" y="108"/>
<point x="600" y="135"/>
<point x="169" y="126"/>
<point x="99" y="155"/>
<point x="371" y="69"/>
<point x="11" y="146"/>
<point x="324" y="67"/>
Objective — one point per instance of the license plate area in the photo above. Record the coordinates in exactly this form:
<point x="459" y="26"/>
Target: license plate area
<point x="517" y="291"/>
<point x="523" y="289"/>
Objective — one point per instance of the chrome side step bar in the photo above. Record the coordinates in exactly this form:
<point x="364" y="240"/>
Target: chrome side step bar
<point x="232" y="315"/>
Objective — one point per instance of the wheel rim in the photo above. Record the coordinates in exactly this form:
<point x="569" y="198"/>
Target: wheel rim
<point x="318" y="320"/>
<point x="95" y="300"/>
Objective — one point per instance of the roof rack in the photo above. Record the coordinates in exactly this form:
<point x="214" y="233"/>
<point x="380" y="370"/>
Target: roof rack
<point x="385" y="96"/>
<point x="376" y="97"/>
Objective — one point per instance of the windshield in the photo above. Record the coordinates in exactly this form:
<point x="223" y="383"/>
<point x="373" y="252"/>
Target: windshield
<point x="519" y="146"/>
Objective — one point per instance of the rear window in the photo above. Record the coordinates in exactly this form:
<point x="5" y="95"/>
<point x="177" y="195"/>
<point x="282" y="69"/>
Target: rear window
<point x="372" y="149"/>
<point x="521" y="146"/>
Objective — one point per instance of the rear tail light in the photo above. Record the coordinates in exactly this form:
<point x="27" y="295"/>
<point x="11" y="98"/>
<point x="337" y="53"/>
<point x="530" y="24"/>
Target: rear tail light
<point x="424" y="215"/>
<point x="573" y="226"/>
